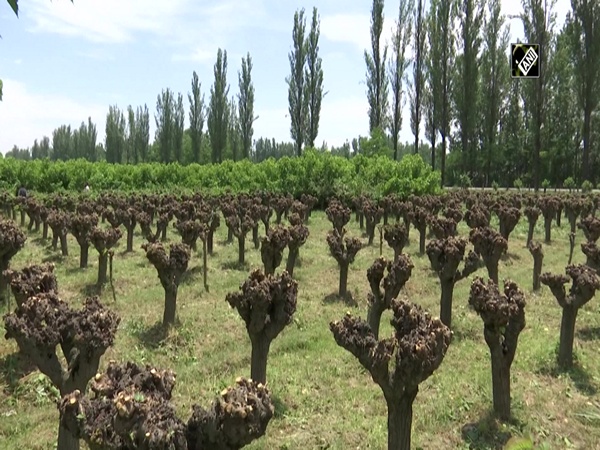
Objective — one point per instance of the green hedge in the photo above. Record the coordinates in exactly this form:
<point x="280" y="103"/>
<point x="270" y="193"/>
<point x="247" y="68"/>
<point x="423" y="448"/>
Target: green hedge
<point x="316" y="173"/>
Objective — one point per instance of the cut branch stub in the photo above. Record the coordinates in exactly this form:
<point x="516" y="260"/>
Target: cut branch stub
<point x="585" y="284"/>
<point x="509" y="218"/>
<point x="343" y="249"/>
<point x="31" y="280"/>
<point x="442" y="227"/>
<point x="477" y="216"/>
<point x="237" y="417"/>
<point x="591" y="228"/>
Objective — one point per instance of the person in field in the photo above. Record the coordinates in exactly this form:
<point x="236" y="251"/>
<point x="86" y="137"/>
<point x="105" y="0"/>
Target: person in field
<point x="22" y="192"/>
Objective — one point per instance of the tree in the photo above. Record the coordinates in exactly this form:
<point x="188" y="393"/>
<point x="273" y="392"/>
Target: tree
<point x="115" y="135"/>
<point x="314" y="80"/>
<point x="433" y="78"/>
<point x="233" y="134"/>
<point x="196" y="116"/>
<point x="169" y="126"/>
<point x="142" y="137"/>
<point x="538" y="21"/>
<point x="584" y="32"/>
<point x="494" y="71"/>
<point x="296" y="97"/>
<point x="418" y="75"/>
<point x="218" y="113"/>
<point x="445" y="13"/>
<point x="397" y="68"/>
<point x="377" y="82"/>
<point x="61" y="143"/>
<point x="466" y="92"/>
<point x="131" y="153"/>
<point x="246" y="106"/>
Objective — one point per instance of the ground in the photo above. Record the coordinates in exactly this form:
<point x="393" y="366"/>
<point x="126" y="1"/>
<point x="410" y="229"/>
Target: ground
<point x="324" y="398"/>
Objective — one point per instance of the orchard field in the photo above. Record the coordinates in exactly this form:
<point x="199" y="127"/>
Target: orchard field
<point x="323" y="398"/>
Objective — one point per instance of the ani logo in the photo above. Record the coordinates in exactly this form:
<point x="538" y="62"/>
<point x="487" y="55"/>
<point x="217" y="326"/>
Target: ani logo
<point x="525" y="60"/>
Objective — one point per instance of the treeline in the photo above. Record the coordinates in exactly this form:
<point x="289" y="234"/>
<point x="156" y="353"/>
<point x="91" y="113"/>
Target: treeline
<point x="317" y="173"/>
<point x="447" y="60"/>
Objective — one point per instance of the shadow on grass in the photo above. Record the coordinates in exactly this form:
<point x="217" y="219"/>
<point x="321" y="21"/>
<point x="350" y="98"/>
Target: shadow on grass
<point x="510" y="257"/>
<point x="334" y="298"/>
<point x="54" y="258"/>
<point x="235" y="265"/>
<point x="13" y="367"/>
<point x="581" y="379"/>
<point x="487" y="433"/>
<point x="40" y="241"/>
<point x="153" y="336"/>
<point x="280" y="407"/>
<point x="461" y="334"/>
<point x="589" y="333"/>
<point x="192" y="275"/>
<point x="89" y="290"/>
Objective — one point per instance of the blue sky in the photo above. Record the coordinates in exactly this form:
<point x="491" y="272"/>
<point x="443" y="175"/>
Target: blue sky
<point x="62" y="62"/>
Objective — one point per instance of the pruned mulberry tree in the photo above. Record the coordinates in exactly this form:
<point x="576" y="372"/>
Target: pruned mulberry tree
<point x="31" y="280"/>
<point x="381" y="295"/>
<point x="273" y="245"/>
<point x="420" y="219"/>
<point x="532" y="213"/>
<point x="416" y="348"/>
<point x="12" y="239"/>
<point x="508" y="217"/>
<point x="266" y="304"/>
<point x="490" y="245"/>
<point x="59" y="224"/>
<point x="44" y="323"/>
<point x="503" y="316"/>
<point x="536" y="250"/>
<point x="445" y="256"/>
<point x="338" y="214"/>
<point x="549" y="207"/>
<point x="129" y="408"/>
<point x="396" y="236"/>
<point x="344" y="250"/>
<point x="170" y="268"/>
<point x="298" y="234"/>
<point x="103" y="241"/>
<point x="584" y="285"/>
<point x="81" y="226"/>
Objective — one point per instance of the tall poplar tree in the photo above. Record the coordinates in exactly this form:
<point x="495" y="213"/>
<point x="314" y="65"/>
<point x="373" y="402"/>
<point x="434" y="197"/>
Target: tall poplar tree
<point x="165" y="125"/>
<point x="131" y="151"/>
<point x="297" y="104"/>
<point x="377" y="82"/>
<point x="433" y="78"/>
<point x="196" y="116"/>
<point x="397" y="68"/>
<point x="142" y="139"/>
<point x="538" y="21"/>
<point x="218" y="113"/>
<point x="114" y="142"/>
<point x="233" y="134"/>
<point x="584" y="31"/>
<point x="466" y="86"/>
<point x="246" y="106"/>
<point x="314" y="80"/>
<point x="494" y="78"/>
<point x="416" y="92"/>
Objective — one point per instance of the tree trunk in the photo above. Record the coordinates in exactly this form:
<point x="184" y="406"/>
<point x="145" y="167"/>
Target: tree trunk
<point x="66" y="440"/>
<point x="83" y="255"/>
<point x="446" y="302"/>
<point x="422" y="235"/>
<point x="54" y="240"/>
<point x="4" y="284"/>
<point x="229" y="235"/>
<point x="242" y="249"/>
<point x="170" y="304"/>
<point x="204" y="265"/>
<point x="45" y="231"/>
<point x="291" y="260"/>
<point x="371" y="232"/>
<point x="342" y="291"/>
<point x="102" y="268"/>
<point x="500" y="382"/>
<point x="585" y="156"/>
<point x="209" y="242"/>
<point x="260" y="354"/>
<point x="492" y="268"/>
<point x="537" y="271"/>
<point x="163" y="233"/>
<point x="361" y="220"/>
<point x="255" y="237"/>
<point x="278" y="217"/>
<point x="530" y="232"/>
<point x="385" y="218"/>
<point x="567" y="336"/>
<point x="558" y="216"/>
<point x="400" y="420"/>
<point x="547" y="229"/>
<point x="130" y="239"/>
<point x="374" y="318"/>
<point x="63" y="245"/>
<point x="22" y="218"/>
<point x="443" y="161"/>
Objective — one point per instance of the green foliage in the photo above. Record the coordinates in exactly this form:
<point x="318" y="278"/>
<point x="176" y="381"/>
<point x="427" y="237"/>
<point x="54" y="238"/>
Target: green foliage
<point x="464" y="180"/>
<point x="376" y="145"/>
<point x="546" y="183"/>
<point x="495" y="185"/>
<point x="518" y="183"/>
<point x="587" y="186"/>
<point x="317" y="173"/>
<point x="0" y="90"/>
<point x="519" y="443"/>
<point x="569" y="183"/>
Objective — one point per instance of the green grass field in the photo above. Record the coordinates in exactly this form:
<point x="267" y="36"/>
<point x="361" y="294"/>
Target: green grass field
<point x="324" y="398"/>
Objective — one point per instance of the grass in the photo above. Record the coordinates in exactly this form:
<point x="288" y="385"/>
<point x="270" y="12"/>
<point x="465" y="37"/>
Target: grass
<point x="324" y="398"/>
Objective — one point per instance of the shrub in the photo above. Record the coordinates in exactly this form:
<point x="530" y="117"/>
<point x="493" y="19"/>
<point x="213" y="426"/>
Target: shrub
<point x="587" y="186"/>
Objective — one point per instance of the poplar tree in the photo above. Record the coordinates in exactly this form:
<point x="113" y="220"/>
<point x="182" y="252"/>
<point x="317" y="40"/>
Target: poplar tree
<point x="416" y="92"/>
<point x="114" y="142"/>
<point x="246" y="106"/>
<point x="313" y="89"/>
<point x="433" y="78"/>
<point x="196" y="116"/>
<point x="142" y="139"/>
<point x="169" y="126"/>
<point x="297" y="100"/>
<point x="218" y="113"/>
<point x="130" y="153"/>
<point x="584" y="32"/>
<point x="397" y="68"/>
<point x="233" y="133"/>
<point x="377" y="82"/>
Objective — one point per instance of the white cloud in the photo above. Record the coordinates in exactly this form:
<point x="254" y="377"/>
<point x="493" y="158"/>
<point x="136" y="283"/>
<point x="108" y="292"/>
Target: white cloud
<point x="26" y="116"/>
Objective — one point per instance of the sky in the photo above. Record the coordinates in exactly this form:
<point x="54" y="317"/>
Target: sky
<point x="62" y="62"/>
